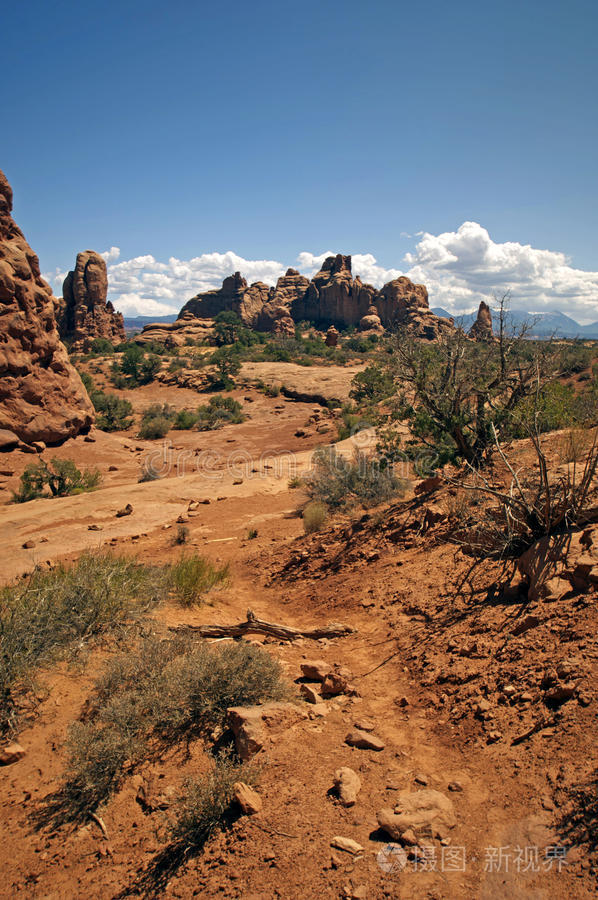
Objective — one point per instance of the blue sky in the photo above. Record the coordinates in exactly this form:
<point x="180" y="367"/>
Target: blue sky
<point x="271" y="129"/>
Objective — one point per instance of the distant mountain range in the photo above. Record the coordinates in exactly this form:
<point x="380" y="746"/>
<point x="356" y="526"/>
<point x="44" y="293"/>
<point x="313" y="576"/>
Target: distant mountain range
<point x="543" y="324"/>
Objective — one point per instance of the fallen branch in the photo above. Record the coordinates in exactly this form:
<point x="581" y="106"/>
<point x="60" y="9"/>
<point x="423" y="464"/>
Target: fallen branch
<point x="540" y="725"/>
<point x="253" y="625"/>
<point x="100" y="823"/>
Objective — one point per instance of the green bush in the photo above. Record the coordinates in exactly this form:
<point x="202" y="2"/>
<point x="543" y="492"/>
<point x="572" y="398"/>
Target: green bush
<point x="156" y="422"/>
<point x="61" y="476"/>
<point x="53" y="611"/>
<point x="341" y="483"/>
<point x="192" y="576"/>
<point x="185" y="420"/>
<point x="372" y="385"/>
<point x="314" y="516"/>
<point x="115" y="413"/>
<point x="226" y="365"/>
<point x="135" y="367"/>
<point x="102" y="346"/>
<point x="218" y="412"/>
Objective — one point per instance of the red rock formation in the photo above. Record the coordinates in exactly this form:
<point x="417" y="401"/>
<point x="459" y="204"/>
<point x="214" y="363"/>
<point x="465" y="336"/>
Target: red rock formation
<point x="290" y="288"/>
<point x="234" y="295"/>
<point x="481" y="330"/>
<point x="334" y="296"/>
<point x="42" y="397"/>
<point x="331" y="339"/>
<point x="84" y="313"/>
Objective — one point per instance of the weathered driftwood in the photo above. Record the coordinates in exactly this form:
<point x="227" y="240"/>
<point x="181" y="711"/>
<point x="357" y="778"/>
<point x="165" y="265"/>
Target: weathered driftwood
<point x="253" y="625"/>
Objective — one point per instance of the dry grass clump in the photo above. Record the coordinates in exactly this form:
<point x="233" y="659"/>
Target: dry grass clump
<point x="341" y="483"/>
<point x="314" y="516"/>
<point x="159" y="694"/>
<point x="192" y="576"/>
<point x="50" y="613"/>
<point x="205" y="803"/>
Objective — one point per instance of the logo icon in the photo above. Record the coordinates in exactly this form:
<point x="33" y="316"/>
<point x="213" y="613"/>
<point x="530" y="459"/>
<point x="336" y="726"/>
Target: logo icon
<point x="392" y="858"/>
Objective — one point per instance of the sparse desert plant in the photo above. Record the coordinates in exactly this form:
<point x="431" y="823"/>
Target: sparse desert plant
<point x="115" y="413"/>
<point x="148" y="473"/>
<point x="205" y="802"/>
<point x="272" y="390"/>
<point x="50" y="612"/>
<point x="315" y="514"/>
<point x="226" y="365"/>
<point x="252" y="534"/>
<point x="182" y="535"/>
<point x="295" y="482"/>
<point x="341" y="483"/>
<point x="185" y="420"/>
<point x="219" y="411"/>
<point x="156" y="422"/>
<point x="163" y="692"/>
<point x="60" y="476"/>
<point x="192" y="576"/>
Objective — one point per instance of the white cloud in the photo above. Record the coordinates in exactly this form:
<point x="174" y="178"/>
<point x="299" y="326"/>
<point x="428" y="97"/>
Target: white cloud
<point x="460" y="268"/>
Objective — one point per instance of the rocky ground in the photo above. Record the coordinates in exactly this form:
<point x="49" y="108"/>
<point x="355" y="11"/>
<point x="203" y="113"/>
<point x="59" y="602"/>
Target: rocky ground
<point x="469" y="710"/>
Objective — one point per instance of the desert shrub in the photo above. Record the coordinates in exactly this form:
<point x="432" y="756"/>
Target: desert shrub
<point x="341" y="483"/>
<point x="229" y="329"/>
<point x="218" y="412"/>
<point x="115" y="413"/>
<point x="60" y="476"/>
<point x="272" y="390"/>
<point x="135" y="367"/>
<point x="360" y="344"/>
<point x="102" y="346"/>
<point x="226" y="365"/>
<point x="181" y="535"/>
<point x="52" y="611"/>
<point x="372" y="385"/>
<point x="156" y="422"/>
<point x="148" y="473"/>
<point x="185" y="420"/>
<point x="314" y="516"/>
<point x="252" y="534"/>
<point x="192" y="576"/>
<point x="205" y="802"/>
<point x="165" y="692"/>
<point x="352" y="422"/>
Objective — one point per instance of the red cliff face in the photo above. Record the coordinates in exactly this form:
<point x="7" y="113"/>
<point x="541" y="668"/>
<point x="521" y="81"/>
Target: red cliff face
<point x="41" y="395"/>
<point x="84" y="313"/>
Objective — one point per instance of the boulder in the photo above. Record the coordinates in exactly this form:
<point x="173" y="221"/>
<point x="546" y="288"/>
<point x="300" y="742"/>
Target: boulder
<point x="331" y="339"/>
<point x="481" y="330"/>
<point x="364" y="740"/>
<point x="251" y="724"/>
<point x="347" y="784"/>
<point x="11" y="753"/>
<point x="315" y="669"/>
<point x="249" y="800"/>
<point x="427" y="813"/>
<point x="84" y="312"/>
<point x="42" y="397"/>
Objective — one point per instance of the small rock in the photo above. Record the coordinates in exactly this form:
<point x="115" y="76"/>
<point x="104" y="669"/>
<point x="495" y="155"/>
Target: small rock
<point x="28" y="545"/>
<point x="238" y="481"/>
<point x="347" y="784"/>
<point x="126" y="511"/>
<point x="39" y="446"/>
<point x="526" y="697"/>
<point x="560" y="693"/>
<point x="11" y="753"/>
<point x="334" y="684"/>
<point x="421" y="779"/>
<point x="365" y="725"/>
<point x="455" y="786"/>
<point x="181" y="520"/>
<point x="360" y="892"/>
<point x="309" y="694"/>
<point x="248" y="799"/>
<point x="426" y="813"/>
<point x="113" y="468"/>
<point x="364" y="741"/>
<point x="346" y="844"/>
<point x="402" y="702"/>
<point x="315" y="670"/>
<point x="526" y="623"/>
<point x="493" y="737"/>
<point x="94" y="528"/>
<point x="428" y="485"/>
<point x="89" y="439"/>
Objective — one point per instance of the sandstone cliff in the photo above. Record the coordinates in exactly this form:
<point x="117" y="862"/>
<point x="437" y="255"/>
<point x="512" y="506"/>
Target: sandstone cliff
<point x="41" y="395"/>
<point x="84" y="313"/>
<point x="235" y="295"/>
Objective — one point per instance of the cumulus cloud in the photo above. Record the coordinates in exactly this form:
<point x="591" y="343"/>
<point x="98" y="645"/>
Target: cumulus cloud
<point x="460" y="268"/>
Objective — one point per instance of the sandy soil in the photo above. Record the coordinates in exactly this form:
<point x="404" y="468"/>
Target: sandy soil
<point x="398" y="584"/>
